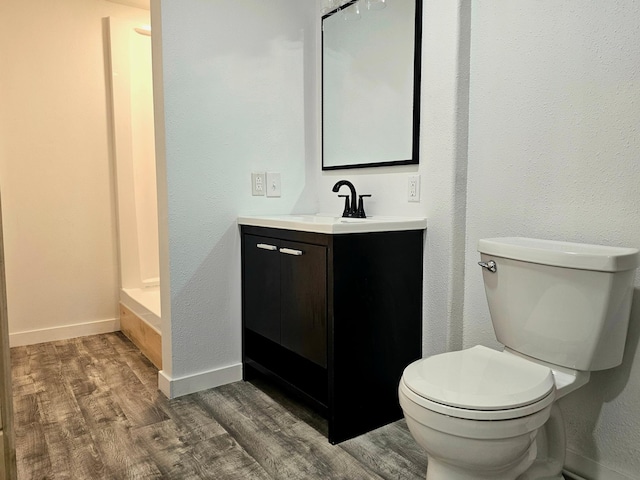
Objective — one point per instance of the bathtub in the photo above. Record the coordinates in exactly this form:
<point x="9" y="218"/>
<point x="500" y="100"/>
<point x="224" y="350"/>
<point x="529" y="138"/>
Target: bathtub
<point x="140" y="320"/>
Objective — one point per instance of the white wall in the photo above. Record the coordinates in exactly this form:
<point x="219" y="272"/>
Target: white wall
<point x="239" y="96"/>
<point x="55" y="171"/>
<point x="554" y="153"/>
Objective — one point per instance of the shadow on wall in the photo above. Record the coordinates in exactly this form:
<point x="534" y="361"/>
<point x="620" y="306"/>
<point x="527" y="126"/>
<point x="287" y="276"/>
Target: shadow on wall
<point x="207" y="309"/>
<point x="604" y="387"/>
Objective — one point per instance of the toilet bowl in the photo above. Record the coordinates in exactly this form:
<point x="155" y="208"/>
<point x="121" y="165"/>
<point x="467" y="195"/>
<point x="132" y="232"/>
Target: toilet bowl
<point x="481" y="413"/>
<point x="476" y="412"/>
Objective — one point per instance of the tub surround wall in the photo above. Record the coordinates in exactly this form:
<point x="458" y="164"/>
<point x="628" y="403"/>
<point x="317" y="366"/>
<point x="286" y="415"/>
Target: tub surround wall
<point x="131" y="116"/>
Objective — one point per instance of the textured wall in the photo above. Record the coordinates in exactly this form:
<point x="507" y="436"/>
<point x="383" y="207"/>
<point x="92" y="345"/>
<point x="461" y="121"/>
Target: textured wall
<point x="553" y="153"/>
<point x="237" y="96"/>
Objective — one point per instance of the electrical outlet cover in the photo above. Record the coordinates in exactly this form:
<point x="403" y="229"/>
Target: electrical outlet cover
<point x="413" y="188"/>
<point x="258" y="183"/>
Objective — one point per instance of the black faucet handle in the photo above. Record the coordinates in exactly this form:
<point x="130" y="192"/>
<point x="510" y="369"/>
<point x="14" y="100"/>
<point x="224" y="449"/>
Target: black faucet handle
<point x="347" y="210"/>
<point x="360" y="213"/>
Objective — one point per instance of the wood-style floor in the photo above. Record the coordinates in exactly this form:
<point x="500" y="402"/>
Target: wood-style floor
<point x="88" y="408"/>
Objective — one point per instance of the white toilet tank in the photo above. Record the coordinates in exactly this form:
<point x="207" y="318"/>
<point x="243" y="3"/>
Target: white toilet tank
<point x="564" y="303"/>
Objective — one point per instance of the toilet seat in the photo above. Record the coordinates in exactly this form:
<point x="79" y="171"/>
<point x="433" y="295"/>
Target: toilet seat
<point x="480" y="384"/>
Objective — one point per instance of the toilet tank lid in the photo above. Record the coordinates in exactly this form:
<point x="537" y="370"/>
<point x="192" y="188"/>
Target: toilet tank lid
<point x="562" y="254"/>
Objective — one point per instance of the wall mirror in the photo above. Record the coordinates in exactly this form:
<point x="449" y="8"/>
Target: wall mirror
<point x="371" y="84"/>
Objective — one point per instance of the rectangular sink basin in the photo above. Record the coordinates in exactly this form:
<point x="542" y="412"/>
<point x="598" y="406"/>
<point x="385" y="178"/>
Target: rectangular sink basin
<point x="318" y="223"/>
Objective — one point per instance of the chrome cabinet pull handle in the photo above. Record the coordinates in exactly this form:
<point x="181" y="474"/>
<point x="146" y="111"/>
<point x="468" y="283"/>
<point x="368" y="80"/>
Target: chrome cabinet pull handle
<point x="266" y="246"/>
<point x="291" y="251"/>
<point x="490" y="265"/>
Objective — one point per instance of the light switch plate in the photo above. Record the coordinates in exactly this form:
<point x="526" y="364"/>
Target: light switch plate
<point x="273" y="184"/>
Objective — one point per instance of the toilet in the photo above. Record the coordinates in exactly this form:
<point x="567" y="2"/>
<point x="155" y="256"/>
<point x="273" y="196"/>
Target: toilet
<point x="561" y="310"/>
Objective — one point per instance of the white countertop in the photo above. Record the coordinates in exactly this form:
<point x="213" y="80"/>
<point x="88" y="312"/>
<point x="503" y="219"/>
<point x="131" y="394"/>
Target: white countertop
<point x="335" y="225"/>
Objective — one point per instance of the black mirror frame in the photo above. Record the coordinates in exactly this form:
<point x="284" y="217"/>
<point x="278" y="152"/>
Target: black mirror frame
<point x="417" y="76"/>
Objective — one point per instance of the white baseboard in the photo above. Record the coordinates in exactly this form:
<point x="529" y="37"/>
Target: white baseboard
<point x="31" y="337"/>
<point x="579" y="467"/>
<point x="177" y="387"/>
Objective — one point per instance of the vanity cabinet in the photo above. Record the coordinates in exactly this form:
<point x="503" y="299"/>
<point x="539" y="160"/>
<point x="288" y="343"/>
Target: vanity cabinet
<point x="333" y="318"/>
<point x="286" y="294"/>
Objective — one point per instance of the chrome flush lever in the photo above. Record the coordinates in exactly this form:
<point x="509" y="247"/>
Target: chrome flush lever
<point x="490" y="265"/>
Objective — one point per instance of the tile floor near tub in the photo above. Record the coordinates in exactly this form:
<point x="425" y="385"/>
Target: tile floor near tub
<point x="88" y="408"/>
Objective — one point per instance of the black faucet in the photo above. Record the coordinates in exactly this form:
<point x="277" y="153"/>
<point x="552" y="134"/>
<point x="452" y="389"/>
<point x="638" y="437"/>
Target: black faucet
<point x="351" y="211"/>
<point x="355" y="209"/>
<point x="348" y="211"/>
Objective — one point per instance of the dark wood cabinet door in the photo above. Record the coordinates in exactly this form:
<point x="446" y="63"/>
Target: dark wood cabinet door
<point x="261" y="286"/>
<point x="303" y="281"/>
